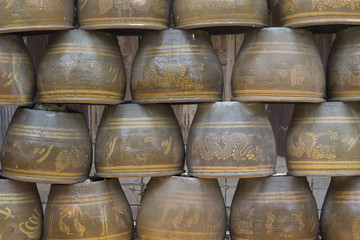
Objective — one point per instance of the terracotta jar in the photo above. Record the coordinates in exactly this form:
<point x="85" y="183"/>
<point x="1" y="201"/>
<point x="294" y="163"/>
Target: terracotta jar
<point x="319" y="15"/>
<point x="21" y="215"/>
<point x="231" y="139"/>
<point x="35" y="15"/>
<point x="124" y="14"/>
<point x="139" y="140"/>
<point x="17" y="76"/>
<point x="274" y="208"/>
<point x="278" y="65"/>
<point x="190" y="14"/>
<point x="343" y="71"/>
<point x="82" y="67"/>
<point x="46" y="145"/>
<point x="91" y="210"/>
<point x="322" y="140"/>
<point x="176" y="66"/>
<point x="182" y="208"/>
<point x="341" y="209"/>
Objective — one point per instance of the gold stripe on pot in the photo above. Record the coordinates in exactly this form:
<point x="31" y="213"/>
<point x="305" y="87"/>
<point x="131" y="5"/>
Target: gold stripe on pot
<point x="231" y="139"/>
<point x="278" y="65"/>
<point x="124" y="14"/>
<point x="343" y="66"/>
<point x="189" y="14"/>
<point x="319" y="15"/>
<point x="340" y="212"/>
<point x="17" y="76"/>
<point x="94" y="210"/>
<point x="35" y="15"/>
<point x="139" y="140"/>
<point x="46" y="146"/>
<point x="274" y="208"/>
<point x="176" y="66"/>
<point x="21" y="211"/>
<point x="82" y="67"/>
<point x="182" y="208"/>
<point x="322" y="140"/>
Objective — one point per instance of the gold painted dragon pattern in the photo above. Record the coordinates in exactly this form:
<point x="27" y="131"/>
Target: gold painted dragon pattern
<point x="306" y="143"/>
<point x="237" y="146"/>
<point x="293" y="5"/>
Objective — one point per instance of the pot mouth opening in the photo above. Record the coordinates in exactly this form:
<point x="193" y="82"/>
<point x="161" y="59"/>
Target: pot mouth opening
<point x="51" y="108"/>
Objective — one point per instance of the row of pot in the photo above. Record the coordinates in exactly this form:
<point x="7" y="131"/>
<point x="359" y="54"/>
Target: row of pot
<point x="239" y="15"/>
<point x="181" y="208"/>
<point x="273" y="65"/>
<point x="226" y="139"/>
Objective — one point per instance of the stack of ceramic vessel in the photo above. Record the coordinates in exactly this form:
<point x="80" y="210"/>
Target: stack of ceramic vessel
<point x="29" y="142"/>
<point x="323" y="138"/>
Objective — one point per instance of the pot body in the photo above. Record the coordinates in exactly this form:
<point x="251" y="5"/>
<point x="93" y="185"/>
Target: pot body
<point x="34" y="15"/>
<point x="278" y="65"/>
<point x="21" y="211"/>
<point x="17" y="76"/>
<point x="190" y="14"/>
<point x="176" y="66"/>
<point x="322" y="140"/>
<point x="46" y="146"/>
<point x="139" y="140"/>
<point x="322" y="15"/>
<point x="96" y="210"/>
<point x="231" y="139"/>
<point x="124" y="14"/>
<point x="82" y="67"/>
<point x="343" y="66"/>
<point x="341" y="209"/>
<point x="182" y="208"/>
<point x="274" y="208"/>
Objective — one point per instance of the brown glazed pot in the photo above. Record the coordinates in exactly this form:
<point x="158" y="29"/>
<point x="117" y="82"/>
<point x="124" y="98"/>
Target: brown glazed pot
<point x="340" y="215"/>
<point x="231" y="139"/>
<point x="36" y="15"/>
<point x="182" y="208"/>
<point x="82" y="67"/>
<point x="47" y="147"/>
<point x="21" y="215"/>
<point x="274" y="208"/>
<point x="124" y="14"/>
<point x="139" y="140"/>
<point x="190" y="14"/>
<point x="17" y="76"/>
<point x="343" y="71"/>
<point x="176" y="66"/>
<point x="323" y="139"/>
<point x="97" y="210"/>
<point x="278" y="65"/>
<point x="319" y="15"/>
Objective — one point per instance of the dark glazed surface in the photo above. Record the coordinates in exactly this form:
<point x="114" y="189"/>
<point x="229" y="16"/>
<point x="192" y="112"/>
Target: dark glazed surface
<point x="190" y="14"/>
<point x="176" y="66"/>
<point x="46" y="146"/>
<point x="17" y="76"/>
<point x="231" y="139"/>
<point x="340" y="215"/>
<point x="35" y="15"/>
<point x="182" y="208"/>
<point x="322" y="140"/>
<point x="95" y="210"/>
<point x="278" y="65"/>
<point x="274" y="208"/>
<point x="82" y="67"/>
<point x="139" y="140"/>
<point x="321" y="15"/>
<point x="21" y="214"/>
<point x="124" y="14"/>
<point x="343" y="72"/>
